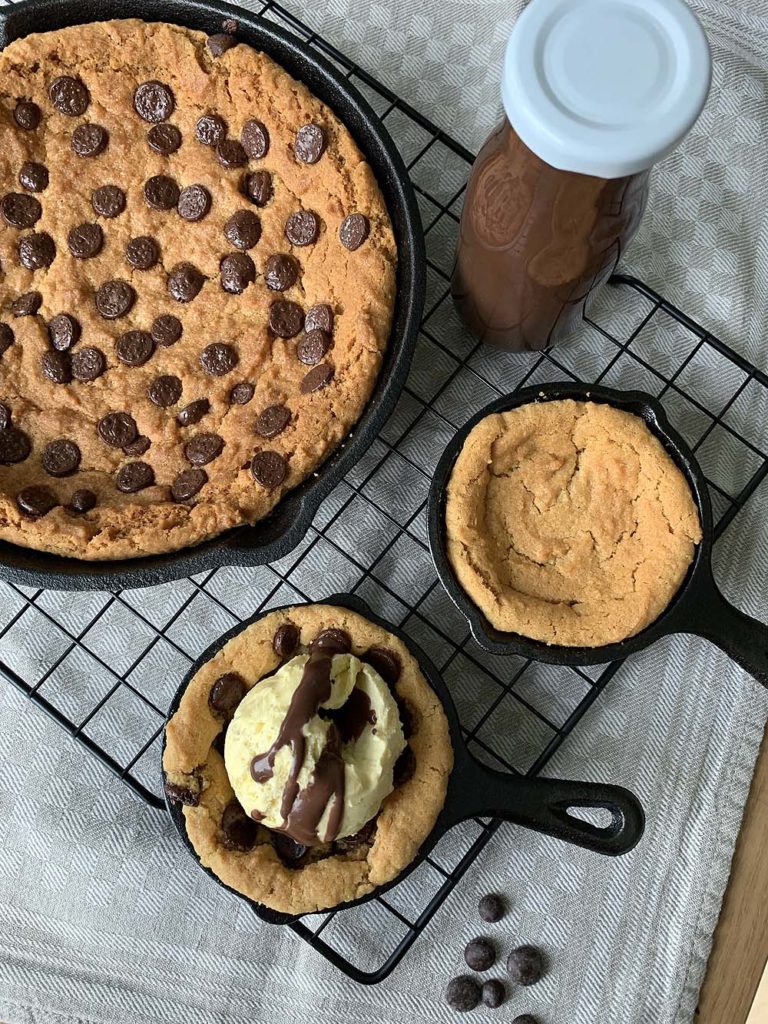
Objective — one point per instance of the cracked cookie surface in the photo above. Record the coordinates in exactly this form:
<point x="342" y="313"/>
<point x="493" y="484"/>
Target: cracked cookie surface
<point x="569" y="523"/>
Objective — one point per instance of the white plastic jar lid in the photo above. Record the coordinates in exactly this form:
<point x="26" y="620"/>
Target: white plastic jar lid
<point x="605" y="87"/>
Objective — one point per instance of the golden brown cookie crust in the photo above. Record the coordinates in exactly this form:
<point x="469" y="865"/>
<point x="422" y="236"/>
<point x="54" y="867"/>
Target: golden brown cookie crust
<point x="112" y="58"/>
<point x="569" y="523"/>
<point x="407" y="815"/>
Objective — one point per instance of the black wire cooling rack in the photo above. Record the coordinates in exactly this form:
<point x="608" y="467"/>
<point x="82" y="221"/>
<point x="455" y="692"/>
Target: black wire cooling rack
<point x="105" y="665"/>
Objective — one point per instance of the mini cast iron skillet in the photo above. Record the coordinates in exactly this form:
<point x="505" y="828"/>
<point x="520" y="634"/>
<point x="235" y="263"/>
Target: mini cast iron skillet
<point x="281" y="532"/>
<point x="698" y="607"/>
<point x="473" y="789"/>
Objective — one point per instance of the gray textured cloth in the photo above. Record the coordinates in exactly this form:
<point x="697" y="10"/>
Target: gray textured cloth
<point x="104" y="919"/>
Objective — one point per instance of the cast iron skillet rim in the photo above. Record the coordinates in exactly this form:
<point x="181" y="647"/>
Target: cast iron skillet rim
<point x="239" y="546"/>
<point x="672" y="620"/>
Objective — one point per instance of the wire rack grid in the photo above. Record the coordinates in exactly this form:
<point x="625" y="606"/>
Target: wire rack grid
<point x="105" y="665"/>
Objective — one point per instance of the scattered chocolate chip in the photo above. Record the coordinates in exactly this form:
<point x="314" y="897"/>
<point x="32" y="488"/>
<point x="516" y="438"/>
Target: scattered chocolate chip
<point x="255" y="139"/>
<point x="57" y="367"/>
<point x="405" y="767"/>
<point x="114" y="299"/>
<point x="6" y="340"/>
<point x="182" y="794"/>
<point x="385" y="662"/>
<point x="82" y="501"/>
<point x="493" y="994"/>
<point x="258" y="187"/>
<point x="15" y="446"/>
<point x="354" y="230"/>
<point x="285" y="318"/>
<point x="463" y="993"/>
<point x="272" y="421"/>
<point x="85" y="241"/>
<point x="319" y="318"/>
<point x="164" y="139"/>
<point x="166" y="330"/>
<point x="61" y="458"/>
<point x="407" y="717"/>
<point x="165" y="391"/>
<point x="33" y="176"/>
<point x="242" y="393"/>
<point x="5" y="416"/>
<point x="525" y="965"/>
<point x="238" y="831"/>
<point x="194" y="202"/>
<point x="236" y="271"/>
<point x="309" y="144"/>
<point x="281" y="272"/>
<point x="143" y="252"/>
<point x="69" y="96"/>
<point x="188" y="483"/>
<point x="63" y="331"/>
<point x="312" y="347"/>
<point x="137" y="448"/>
<point x="211" y="129"/>
<point x="491" y="908"/>
<point x="153" y="101"/>
<point x="291" y="853"/>
<point x="219" y="358"/>
<point x="20" y="210"/>
<point x="193" y="412"/>
<point x="134" y="476"/>
<point x="229" y="689"/>
<point x="108" y="201"/>
<point x="334" y="641"/>
<point x="36" y="501"/>
<point x="185" y="282"/>
<point x="302" y="227"/>
<point x="203" y="449"/>
<point x="88" y="364"/>
<point x="134" y="348"/>
<point x="269" y="469"/>
<point x="27" y="115"/>
<point x="117" y="429"/>
<point x="243" y="229"/>
<point x="27" y="304"/>
<point x="220" y="43"/>
<point x="286" y="640"/>
<point x="161" y="192"/>
<point x="319" y="377"/>
<point x="362" y="838"/>
<point x="89" y="140"/>
<point x="480" y="954"/>
<point x="231" y="153"/>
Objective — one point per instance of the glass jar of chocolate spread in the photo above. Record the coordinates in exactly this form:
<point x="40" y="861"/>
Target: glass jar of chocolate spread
<point x="594" y="92"/>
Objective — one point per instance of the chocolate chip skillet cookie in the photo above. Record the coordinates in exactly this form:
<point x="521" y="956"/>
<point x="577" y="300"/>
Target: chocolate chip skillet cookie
<point x="196" y="288"/>
<point x="312" y="758"/>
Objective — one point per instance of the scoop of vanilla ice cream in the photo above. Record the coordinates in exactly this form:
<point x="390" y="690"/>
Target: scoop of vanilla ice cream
<point x="369" y="750"/>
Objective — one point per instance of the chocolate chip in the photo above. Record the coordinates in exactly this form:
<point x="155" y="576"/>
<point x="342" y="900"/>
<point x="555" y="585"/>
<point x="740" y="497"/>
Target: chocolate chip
<point x="166" y="330"/>
<point x="229" y="689"/>
<point x="69" y="96"/>
<point x="280" y="272"/>
<point x="6" y="339"/>
<point x="139" y="447"/>
<point x="493" y="994"/>
<point x="231" y="153"/>
<point x="285" y="318"/>
<point x="89" y="140"/>
<point x="165" y="391"/>
<point x="193" y="412"/>
<point x="220" y="43"/>
<point x="27" y="115"/>
<point x="269" y="469"/>
<point x="85" y="241"/>
<point x="407" y="717"/>
<point x="33" y="177"/>
<point x="236" y="272"/>
<point x="219" y="358"/>
<point x="238" y="831"/>
<point x="15" y="446"/>
<point x="243" y="229"/>
<point x="134" y="348"/>
<point x="114" y="299"/>
<point x="480" y="954"/>
<point x="463" y="993"/>
<point x="309" y="144"/>
<point x="319" y="377"/>
<point x="385" y="662"/>
<point x="161" y="192"/>
<point x="5" y="417"/>
<point x="334" y="641"/>
<point x="291" y="853"/>
<point x="134" y="476"/>
<point x="185" y="282"/>
<point x="164" y="139"/>
<point x="258" y="187"/>
<point x="108" y="201"/>
<point x="491" y="908"/>
<point x="354" y="230"/>
<point x="211" y="129"/>
<point x="57" y="367"/>
<point x="63" y="331"/>
<point x="203" y="449"/>
<point x="88" y="364"/>
<point x="242" y="393"/>
<point x="36" y="501"/>
<point x="188" y="483"/>
<point x="255" y="139"/>
<point x="153" y="101"/>
<point x="194" y="202"/>
<point x="405" y="767"/>
<point x="302" y="227"/>
<point x="312" y="347"/>
<point x="27" y="304"/>
<point x="272" y="421"/>
<point x="346" y="844"/>
<point x="182" y="794"/>
<point x="525" y="965"/>
<point x="20" y="210"/>
<point x="319" y="318"/>
<point x="117" y="429"/>
<point x="143" y="252"/>
<point x="61" y="458"/>
<point x="82" y="501"/>
<point x="286" y="640"/>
